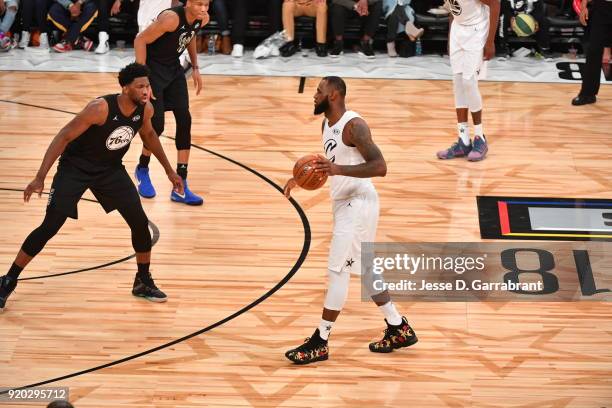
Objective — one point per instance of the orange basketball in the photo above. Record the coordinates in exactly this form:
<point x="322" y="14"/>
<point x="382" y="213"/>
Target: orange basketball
<point x="304" y="173"/>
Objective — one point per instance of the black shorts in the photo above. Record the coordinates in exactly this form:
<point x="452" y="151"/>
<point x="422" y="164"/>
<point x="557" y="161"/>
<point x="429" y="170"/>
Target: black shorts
<point x="112" y="188"/>
<point x="169" y="87"/>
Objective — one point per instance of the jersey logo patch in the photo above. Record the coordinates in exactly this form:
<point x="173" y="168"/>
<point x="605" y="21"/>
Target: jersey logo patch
<point x="120" y="137"/>
<point x="136" y="118"/>
<point x="184" y="40"/>
<point x="115" y="118"/>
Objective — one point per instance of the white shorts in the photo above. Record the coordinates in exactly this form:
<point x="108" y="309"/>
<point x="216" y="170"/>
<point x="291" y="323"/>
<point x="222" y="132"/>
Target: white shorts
<point x="355" y="221"/>
<point x="149" y="10"/>
<point x="467" y="47"/>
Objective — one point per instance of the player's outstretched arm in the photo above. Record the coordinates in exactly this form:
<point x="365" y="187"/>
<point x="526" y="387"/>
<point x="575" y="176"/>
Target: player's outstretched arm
<point x="489" y="49"/>
<point x="93" y="114"/>
<point x="166" y="22"/>
<point x="361" y="138"/>
<point x="151" y="142"/>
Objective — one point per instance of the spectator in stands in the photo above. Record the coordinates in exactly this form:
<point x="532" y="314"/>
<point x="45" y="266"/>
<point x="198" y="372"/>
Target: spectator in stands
<point x="509" y="9"/>
<point x="73" y="19"/>
<point x="221" y="16"/>
<point x="34" y="11"/>
<point x="368" y="11"/>
<point x="8" y="11"/>
<point x="104" y="7"/>
<point x="240" y="10"/>
<point x="310" y="8"/>
<point x="400" y="18"/>
<point x="599" y="19"/>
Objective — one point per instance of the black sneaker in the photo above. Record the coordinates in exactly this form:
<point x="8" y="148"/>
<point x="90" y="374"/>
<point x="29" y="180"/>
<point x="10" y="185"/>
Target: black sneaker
<point x="365" y="50"/>
<point x="338" y="49"/>
<point x="146" y="288"/>
<point x="7" y="286"/>
<point x="321" y="50"/>
<point x="288" y="49"/>
<point x="313" y="349"/>
<point x="503" y="51"/>
<point x="395" y="337"/>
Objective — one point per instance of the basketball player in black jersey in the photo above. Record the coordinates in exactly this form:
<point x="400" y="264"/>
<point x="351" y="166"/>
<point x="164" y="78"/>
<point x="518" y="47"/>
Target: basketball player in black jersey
<point x="90" y="149"/>
<point x="160" y="46"/>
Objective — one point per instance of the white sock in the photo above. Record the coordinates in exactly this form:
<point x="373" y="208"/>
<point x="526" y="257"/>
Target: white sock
<point x="391" y="314"/>
<point x="325" y="328"/>
<point x="464" y="132"/>
<point x="478" y="131"/>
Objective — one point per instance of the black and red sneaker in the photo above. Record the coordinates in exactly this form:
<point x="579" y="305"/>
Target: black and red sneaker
<point x="395" y="337"/>
<point x="313" y="349"/>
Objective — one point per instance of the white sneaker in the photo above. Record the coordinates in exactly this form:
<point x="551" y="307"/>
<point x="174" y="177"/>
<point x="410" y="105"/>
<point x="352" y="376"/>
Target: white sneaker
<point x="44" y="41"/>
<point x="103" y="46"/>
<point x="238" y="51"/>
<point x="25" y="39"/>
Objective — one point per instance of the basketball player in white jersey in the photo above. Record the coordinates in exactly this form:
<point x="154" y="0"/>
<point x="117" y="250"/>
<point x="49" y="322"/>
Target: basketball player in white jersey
<point x="351" y="159"/>
<point x="471" y="44"/>
<point x="149" y="10"/>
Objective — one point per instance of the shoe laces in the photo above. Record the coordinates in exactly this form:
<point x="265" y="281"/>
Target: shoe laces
<point x="479" y="144"/>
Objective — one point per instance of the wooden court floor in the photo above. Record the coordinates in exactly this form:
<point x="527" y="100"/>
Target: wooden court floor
<point x="215" y="260"/>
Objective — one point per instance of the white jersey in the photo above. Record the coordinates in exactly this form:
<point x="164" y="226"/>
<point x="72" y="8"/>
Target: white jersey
<point x="342" y="187"/>
<point x="149" y="10"/>
<point x="467" y="12"/>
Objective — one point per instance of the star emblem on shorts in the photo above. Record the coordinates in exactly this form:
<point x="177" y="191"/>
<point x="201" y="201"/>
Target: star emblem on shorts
<point x="349" y="204"/>
<point x="350" y="262"/>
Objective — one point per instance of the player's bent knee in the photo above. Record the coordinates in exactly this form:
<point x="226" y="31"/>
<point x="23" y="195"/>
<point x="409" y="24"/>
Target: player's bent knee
<point x="472" y="93"/>
<point x="183" y="129"/>
<point x="337" y="289"/>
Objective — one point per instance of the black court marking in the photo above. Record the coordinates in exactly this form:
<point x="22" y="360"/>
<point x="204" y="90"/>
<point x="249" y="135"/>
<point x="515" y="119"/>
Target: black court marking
<point x="154" y="239"/>
<point x="302" y="83"/>
<point x="280" y="284"/>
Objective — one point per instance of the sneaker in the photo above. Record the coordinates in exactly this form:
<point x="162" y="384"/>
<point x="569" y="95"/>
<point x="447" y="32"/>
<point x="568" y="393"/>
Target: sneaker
<point x="365" y="50"/>
<point x="188" y="197"/>
<point x="145" y="288"/>
<point x="321" y="50"/>
<point x="479" y="149"/>
<point x="145" y="187"/>
<point x="544" y="53"/>
<point x="313" y="349"/>
<point x="458" y="149"/>
<point x="238" y="51"/>
<point x="25" y="39"/>
<point x="44" y="41"/>
<point x="395" y="337"/>
<point x="7" y="286"/>
<point x="338" y="49"/>
<point x="85" y="44"/>
<point x="62" y="46"/>
<point x="288" y="49"/>
<point x="6" y="44"/>
<point x="103" y="46"/>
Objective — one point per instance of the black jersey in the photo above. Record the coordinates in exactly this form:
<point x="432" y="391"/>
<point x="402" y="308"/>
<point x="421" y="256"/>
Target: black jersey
<point x="167" y="48"/>
<point x="104" y="146"/>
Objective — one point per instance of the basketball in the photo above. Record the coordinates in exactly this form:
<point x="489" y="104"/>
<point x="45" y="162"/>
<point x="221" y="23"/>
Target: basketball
<point x="524" y="25"/>
<point x="304" y="173"/>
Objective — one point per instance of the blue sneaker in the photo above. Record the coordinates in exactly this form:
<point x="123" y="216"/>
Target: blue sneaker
<point x="188" y="197"/>
<point x="458" y="149"/>
<point x="145" y="187"/>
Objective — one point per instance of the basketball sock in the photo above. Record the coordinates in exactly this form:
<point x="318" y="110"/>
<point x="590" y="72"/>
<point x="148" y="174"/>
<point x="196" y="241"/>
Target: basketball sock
<point x="391" y="314"/>
<point x="143" y="271"/>
<point x="464" y="132"/>
<point x="181" y="170"/>
<point x="14" y="271"/>
<point x="325" y="328"/>
<point x="478" y="131"/>
<point x="143" y="162"/>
